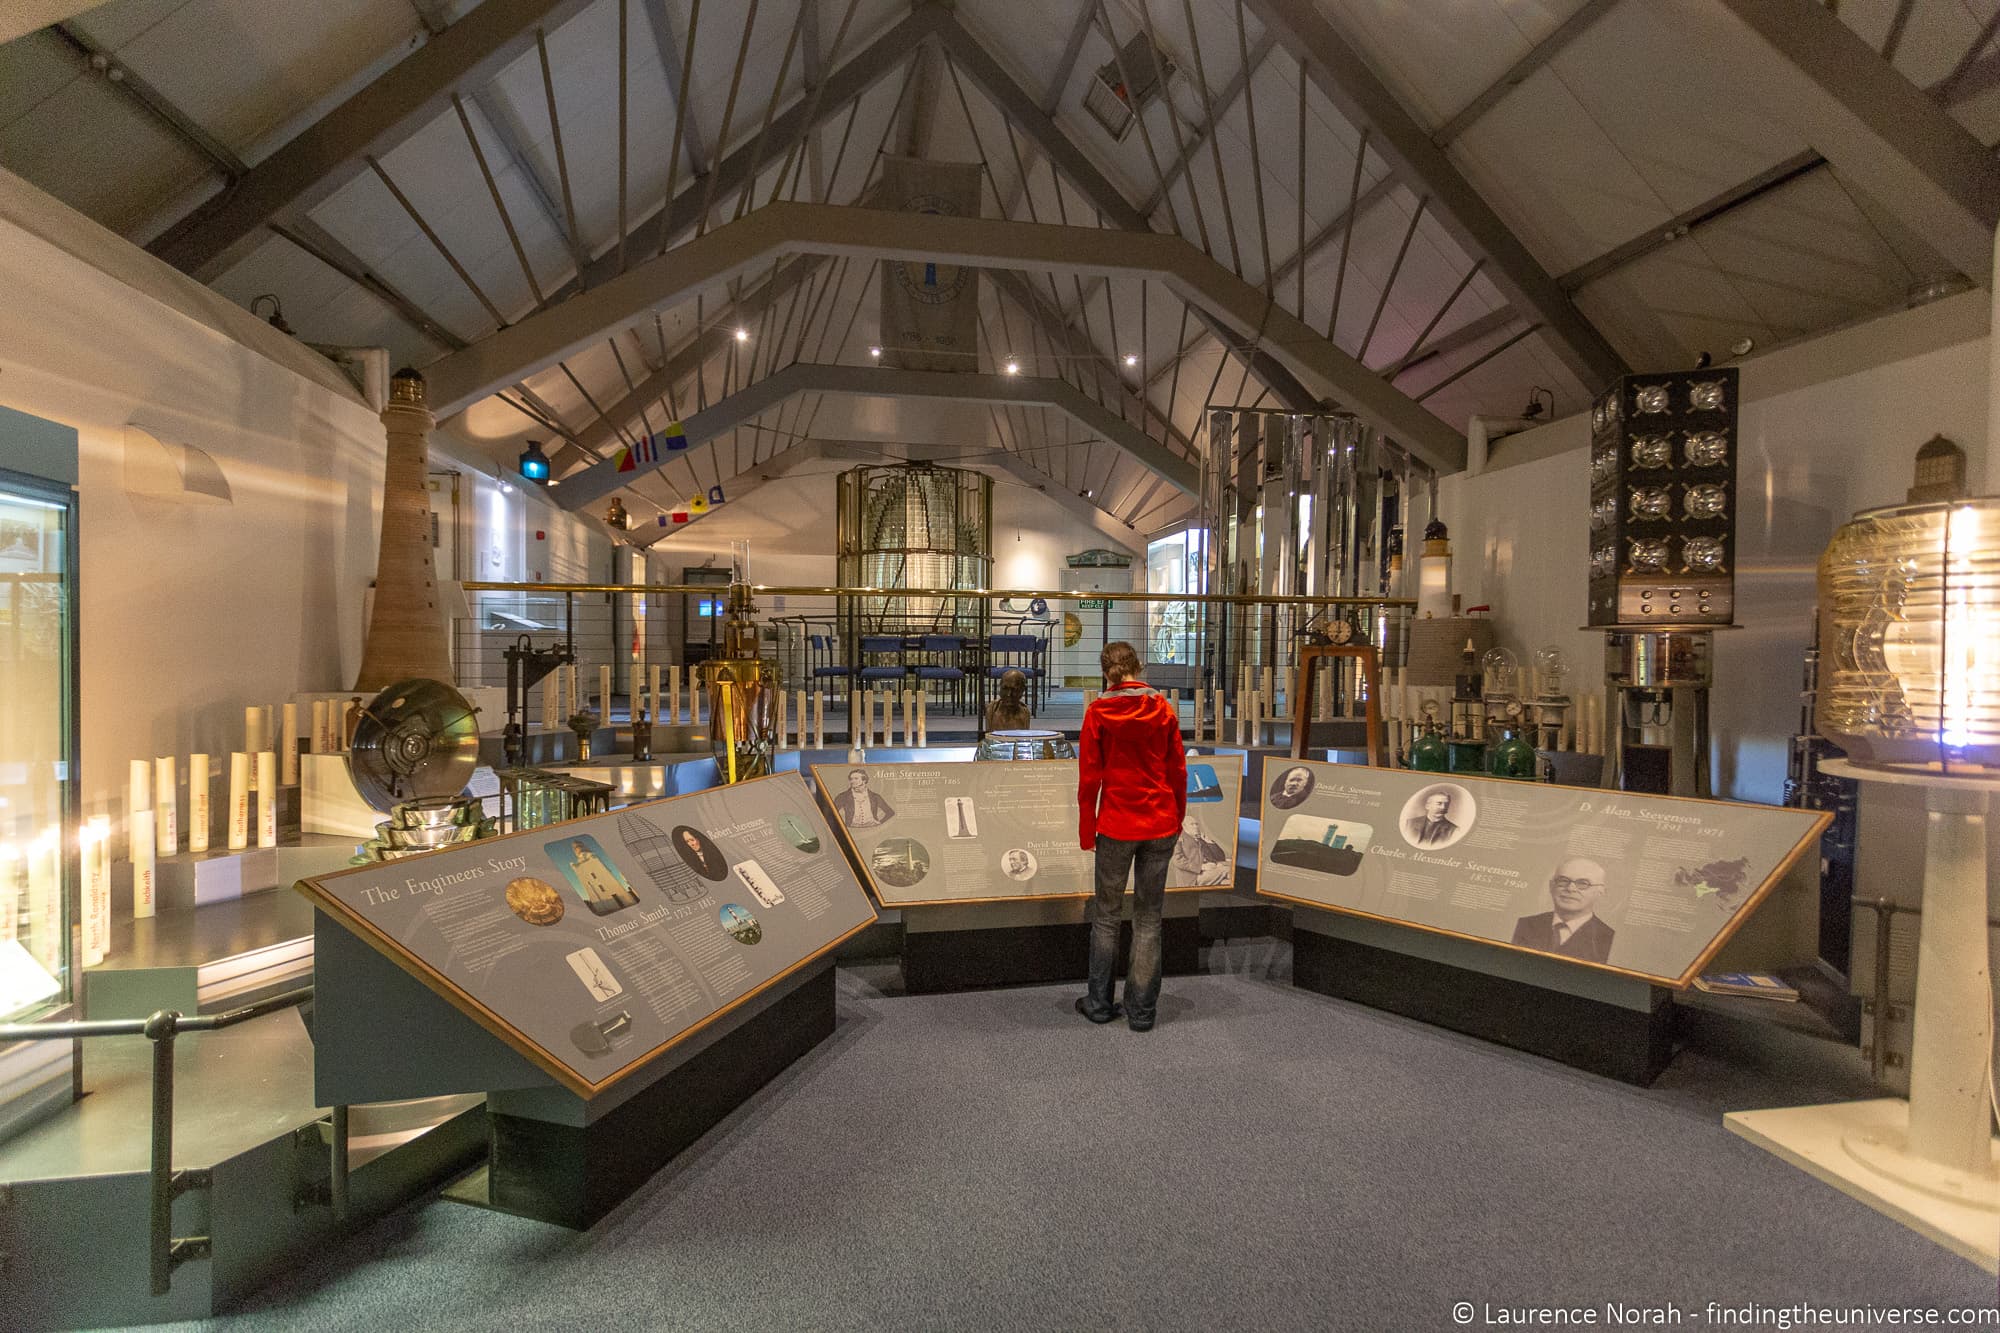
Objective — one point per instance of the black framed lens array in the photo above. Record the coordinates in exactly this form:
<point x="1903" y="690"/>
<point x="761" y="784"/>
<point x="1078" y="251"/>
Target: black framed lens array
<point x="1663" y="500"/>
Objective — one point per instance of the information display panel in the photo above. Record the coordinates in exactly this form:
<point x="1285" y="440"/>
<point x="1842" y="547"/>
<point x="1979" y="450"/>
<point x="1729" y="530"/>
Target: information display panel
<point x="594" y="945"/>
<point x="1648" y="886"/>
<point x="930" y="834"/>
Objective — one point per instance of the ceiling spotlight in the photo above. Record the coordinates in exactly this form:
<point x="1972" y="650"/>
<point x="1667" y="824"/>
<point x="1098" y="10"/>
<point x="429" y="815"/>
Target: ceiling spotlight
<point x="1131" y="359"/>
<point x="1088" y="493"/>
<point x="506" y="488"/>
<point x="875" y="352"/>
<point x="535" y="464"/>
<point x="1013" y="367"/>
<point x="1742" y="346"/>
<point x="743" y="335"/>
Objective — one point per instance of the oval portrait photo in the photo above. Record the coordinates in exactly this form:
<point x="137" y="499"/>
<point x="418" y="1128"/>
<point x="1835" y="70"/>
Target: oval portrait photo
<point x="1291" y="786"/>
<point x="700" y="852"/>
<point x="1437" y="816"/>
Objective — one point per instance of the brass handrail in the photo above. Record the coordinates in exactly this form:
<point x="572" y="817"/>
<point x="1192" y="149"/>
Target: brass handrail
<point x="1052" y="594"/>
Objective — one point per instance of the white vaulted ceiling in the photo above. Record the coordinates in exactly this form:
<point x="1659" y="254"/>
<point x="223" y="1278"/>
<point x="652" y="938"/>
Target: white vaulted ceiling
<point x="1667" y="209"/>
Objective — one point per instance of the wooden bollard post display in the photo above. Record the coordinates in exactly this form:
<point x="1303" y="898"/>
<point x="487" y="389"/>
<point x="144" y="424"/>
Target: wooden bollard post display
<point x="1268" y="694"/>
<point x="923" y="721"/>
<point x="819" y="721"/>
<point x="267" y="798"/>
<point x="288" y="748"/>
<point x="142" y="832"/>
<point x="166" y="805"/>
<point x="653" y="692"/>
<point x="197" y="802"/>
<point x="778" y="707"/>
<point x="1215" y="713"/>
<point x="239" y="800"/>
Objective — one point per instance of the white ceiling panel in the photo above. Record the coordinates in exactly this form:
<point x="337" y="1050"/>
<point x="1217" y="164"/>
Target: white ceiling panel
<point x="1686" y="130"/>
<point x="1555" y="177"/>
<point x="1438" y="57"/>
<point x="240" y="69"/>
<point x="92" y="148"/>
<point x="33" y="69"/>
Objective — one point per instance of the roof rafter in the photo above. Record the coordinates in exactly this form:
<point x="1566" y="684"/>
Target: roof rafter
<point x="1348" y="81"/>
<point x="412" y="93"/>
<point x="580" y="489"/>
<point x="1886" y="136"/>
<point x="708" y="263"/>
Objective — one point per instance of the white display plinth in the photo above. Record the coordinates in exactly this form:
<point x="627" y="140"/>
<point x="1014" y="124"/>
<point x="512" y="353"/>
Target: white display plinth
<point x="1931" y="1162"/>
<point x="1850" y="1144"/>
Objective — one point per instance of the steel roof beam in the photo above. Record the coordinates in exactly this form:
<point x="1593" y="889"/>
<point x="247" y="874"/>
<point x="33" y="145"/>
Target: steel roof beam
<point x="669" y="49"/>
<point x="737" y="248"/>
<point x="1026" y="115"/>
<point x="1886" y="136"/>
<point x="1517" y="74"/>
<point x="852" y="79"/>
<point x="580" y="489"/>
<point x="1347" y="80"/>
<point x="686" y="359"/>
<point x="1198" y="135"/>
<point x="334" y="150"/>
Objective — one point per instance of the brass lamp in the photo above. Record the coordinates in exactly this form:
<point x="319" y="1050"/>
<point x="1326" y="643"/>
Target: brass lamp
<point x="742" y="686"/>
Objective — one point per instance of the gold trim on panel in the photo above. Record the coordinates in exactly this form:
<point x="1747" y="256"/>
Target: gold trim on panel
<point x="1821" y="821"/>
<point x="867" y="877"/>
<point x="472" y="1008"/>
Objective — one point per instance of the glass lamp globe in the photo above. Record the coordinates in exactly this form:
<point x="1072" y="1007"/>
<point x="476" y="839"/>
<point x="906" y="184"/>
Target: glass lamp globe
<point x="1553" y="665"/>
<point x="1910" y="637"/>
<point x="1501" y="671"/>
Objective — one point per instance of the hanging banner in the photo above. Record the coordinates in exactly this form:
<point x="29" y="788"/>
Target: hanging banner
<point x="930" y="310"/>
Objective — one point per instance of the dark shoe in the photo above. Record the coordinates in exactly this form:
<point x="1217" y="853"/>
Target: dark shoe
<point x="1139" y="1025"/>
<point x="1082" y="1007"/>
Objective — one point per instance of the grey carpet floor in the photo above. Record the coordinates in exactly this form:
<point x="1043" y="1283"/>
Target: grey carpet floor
<point x="1264" y="1159"/>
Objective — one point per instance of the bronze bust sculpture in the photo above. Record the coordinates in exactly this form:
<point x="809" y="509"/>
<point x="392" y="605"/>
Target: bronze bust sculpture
<point x="1010" y="711"/>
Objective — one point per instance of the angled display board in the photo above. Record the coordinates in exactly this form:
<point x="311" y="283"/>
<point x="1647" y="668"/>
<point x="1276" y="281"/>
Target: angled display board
<point x="594" y="945"/>
<point x="929" y="834"/>
<point x="1648" y="886"/>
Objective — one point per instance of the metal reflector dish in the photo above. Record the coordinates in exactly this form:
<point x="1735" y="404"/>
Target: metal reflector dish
<point x="418" y="740"/>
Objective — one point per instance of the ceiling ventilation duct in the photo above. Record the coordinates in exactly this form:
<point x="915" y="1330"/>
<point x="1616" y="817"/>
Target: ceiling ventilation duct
<point x="1108" y="100"/>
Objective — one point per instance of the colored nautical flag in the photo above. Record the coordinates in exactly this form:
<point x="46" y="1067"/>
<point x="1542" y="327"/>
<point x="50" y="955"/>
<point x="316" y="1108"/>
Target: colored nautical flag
<point x="675" y="437"/>
<point x="715" y="494"/>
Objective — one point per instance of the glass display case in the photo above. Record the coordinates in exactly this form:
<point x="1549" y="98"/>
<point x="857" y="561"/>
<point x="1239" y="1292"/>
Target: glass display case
<point x="38" y="744"/>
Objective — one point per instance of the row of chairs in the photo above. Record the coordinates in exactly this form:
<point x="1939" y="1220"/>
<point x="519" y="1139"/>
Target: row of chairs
<point x="942" y="662"/>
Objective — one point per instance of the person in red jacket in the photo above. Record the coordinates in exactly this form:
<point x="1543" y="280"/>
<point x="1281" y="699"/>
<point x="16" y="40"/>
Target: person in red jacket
<point x="1130" y="800"/>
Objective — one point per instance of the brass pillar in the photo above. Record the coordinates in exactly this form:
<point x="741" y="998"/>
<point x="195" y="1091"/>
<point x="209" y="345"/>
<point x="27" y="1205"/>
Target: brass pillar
<point x="406" y="633"/>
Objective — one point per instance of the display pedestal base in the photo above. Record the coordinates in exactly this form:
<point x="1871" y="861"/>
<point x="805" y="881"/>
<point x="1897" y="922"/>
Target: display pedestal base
<point x="1857" y="1147"/>
<point x="572" y="1175"/>
<point x="1022" y="944"/>
<point x="1590" y="1020"/>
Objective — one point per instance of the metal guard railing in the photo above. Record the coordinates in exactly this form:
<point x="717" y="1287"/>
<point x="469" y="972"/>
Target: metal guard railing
<point x="167" y="1251"/>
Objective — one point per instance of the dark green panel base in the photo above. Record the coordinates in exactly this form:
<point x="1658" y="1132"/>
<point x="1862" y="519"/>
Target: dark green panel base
<point x="936" y="961"/>
<point x="1630" y="1045"/>
<point x="572" y="1175"/>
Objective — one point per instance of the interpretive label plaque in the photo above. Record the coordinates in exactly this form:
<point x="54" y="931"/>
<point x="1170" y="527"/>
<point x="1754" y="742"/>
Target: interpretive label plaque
<point x="1649" y="886"/>
<point x="592" y="946"/>
<point x="928" y="834"/>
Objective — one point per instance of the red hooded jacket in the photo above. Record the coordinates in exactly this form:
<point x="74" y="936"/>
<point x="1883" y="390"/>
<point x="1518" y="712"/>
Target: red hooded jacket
<point x="1132" y="770"/>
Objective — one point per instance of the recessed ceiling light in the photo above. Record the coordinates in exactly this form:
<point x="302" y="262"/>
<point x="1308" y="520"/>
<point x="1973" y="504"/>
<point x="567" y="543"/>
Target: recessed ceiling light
<point x="1131" y="358"/>
<point x="1013" y="367"/>
<point x="1742" y="346"/>
<point x="875" y="352"/>
<point x="743" y="335"/>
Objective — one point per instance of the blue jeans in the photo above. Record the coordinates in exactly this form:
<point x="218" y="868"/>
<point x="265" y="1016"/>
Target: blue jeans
<point x="1146" y="862"/>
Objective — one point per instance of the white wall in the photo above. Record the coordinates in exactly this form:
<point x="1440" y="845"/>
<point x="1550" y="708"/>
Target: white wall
<point x="188" y="612"/>
<point x="1827" y="427"/>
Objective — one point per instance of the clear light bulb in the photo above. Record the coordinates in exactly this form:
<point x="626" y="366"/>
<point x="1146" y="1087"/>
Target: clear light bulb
<point x="1502" y="670"/>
